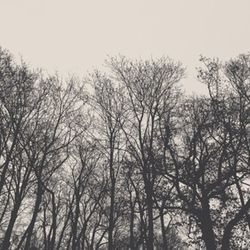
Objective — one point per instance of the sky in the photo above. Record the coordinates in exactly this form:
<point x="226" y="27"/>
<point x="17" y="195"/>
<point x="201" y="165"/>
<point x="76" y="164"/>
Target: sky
<point x="76" y="36"/>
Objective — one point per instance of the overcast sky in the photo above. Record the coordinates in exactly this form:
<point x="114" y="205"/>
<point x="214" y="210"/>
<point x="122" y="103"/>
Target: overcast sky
<point x="74" y="36"/>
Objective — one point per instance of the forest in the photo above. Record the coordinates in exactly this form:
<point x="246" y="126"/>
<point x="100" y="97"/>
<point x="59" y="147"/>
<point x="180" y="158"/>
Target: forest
<point x="124" y="158"/>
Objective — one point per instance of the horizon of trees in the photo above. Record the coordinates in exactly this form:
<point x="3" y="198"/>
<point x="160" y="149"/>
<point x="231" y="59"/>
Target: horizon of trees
<point x="125" y="159"/>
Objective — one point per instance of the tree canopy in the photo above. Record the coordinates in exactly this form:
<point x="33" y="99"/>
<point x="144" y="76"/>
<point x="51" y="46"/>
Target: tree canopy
<point x="125" y="159"/>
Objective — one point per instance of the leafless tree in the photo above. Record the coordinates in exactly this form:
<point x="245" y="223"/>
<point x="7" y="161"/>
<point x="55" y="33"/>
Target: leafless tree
<point x="150" y="87"/>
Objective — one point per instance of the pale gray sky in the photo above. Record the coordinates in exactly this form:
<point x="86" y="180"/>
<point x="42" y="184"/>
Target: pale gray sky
<point x="74" y="36"/>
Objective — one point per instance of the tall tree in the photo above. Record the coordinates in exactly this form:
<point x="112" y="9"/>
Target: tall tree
<point x="109" y="106"/>
<point x="150" y="88"/>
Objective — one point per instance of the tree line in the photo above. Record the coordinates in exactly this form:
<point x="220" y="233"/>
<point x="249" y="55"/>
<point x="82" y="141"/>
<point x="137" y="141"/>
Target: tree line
<point x="125" y="159"/>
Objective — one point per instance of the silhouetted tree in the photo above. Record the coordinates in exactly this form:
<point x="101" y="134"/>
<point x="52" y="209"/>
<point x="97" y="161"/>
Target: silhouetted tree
<point x="149" y="87"/>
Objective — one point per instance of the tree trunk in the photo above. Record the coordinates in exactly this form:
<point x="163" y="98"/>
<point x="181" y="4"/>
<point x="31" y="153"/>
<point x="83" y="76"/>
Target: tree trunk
<point x="75" y="222"/>
<point x="7" y="237"/>
<point x="163" y="231"/>
<point x="112" y="194"/>
<point x="207" y="226"/>
<point x="34" y="216"/>
<point x="111" y="216"/>
<point x="226" y="240"/>
<point x="131" y="227"/>
<point x="149" y="198"/>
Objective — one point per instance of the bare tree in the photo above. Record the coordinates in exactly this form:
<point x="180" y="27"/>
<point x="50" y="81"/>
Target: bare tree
<point x="210" y="160"/>
<point x="149" y="86"/>
<point x="137" y="165"/>
<point x="109" y="107"/>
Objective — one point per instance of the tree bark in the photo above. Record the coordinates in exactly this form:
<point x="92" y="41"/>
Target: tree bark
<point x="207" y="226"/>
